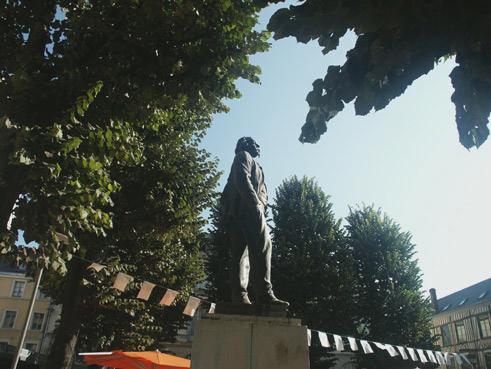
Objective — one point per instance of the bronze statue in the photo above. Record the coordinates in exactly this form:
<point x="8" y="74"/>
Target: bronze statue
<point x="244" y="201"/>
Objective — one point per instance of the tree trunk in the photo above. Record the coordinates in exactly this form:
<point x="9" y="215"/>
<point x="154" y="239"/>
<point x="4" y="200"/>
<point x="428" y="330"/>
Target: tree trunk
<point x="10" y="177"/>
<point x="9" y="195"/>
<point x="63" y="349"/>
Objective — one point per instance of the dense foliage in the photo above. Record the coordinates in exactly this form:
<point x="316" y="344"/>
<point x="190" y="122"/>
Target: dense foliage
<point x="155" y="237"/>
<point x="397" y="42"/>
<point x="217" y="252"/>
<point x="141" y="56"/>
<point x="389" y="304"/>
<point x="102" y="105"/>
<point x="312" y="263"/>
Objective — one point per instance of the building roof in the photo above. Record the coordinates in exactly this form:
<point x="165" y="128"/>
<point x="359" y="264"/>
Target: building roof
<point x="471" y="295"/>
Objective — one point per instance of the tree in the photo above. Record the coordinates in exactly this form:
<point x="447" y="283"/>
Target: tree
<point x="140" y="56"/>
<point x="312" y="263"/>
<point x="398" y="41"/>
<point x="390" y="307"/>
<point x="217" y="258"/>
<point x="71" y="155"/>
<point x="156" y="236"/>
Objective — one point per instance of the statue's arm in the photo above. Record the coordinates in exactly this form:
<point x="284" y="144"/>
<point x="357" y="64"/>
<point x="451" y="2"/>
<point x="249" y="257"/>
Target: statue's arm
<point x="242" y="169"/>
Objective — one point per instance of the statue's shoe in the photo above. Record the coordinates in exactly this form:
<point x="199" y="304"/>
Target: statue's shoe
<point x="271" y="299"/>
<point x="243" y="299"/>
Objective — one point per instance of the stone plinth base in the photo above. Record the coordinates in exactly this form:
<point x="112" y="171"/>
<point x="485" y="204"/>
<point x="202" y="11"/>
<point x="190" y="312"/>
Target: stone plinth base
<point x="278" y="311"/>
<point x="249" y="342"/>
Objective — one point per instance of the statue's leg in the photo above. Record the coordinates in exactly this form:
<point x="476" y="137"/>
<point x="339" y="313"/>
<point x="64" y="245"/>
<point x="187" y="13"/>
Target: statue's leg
<point x="239" y="265"/>
<point x="259" y="245"/>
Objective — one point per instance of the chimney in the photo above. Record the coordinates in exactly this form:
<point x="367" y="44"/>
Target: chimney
<point x="434" y="300"/>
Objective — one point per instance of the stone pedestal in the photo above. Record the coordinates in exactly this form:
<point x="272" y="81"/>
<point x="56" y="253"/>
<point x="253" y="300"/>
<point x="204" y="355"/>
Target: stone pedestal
<point x="249" y="342"/>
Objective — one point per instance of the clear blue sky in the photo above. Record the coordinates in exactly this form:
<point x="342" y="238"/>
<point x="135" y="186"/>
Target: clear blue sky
<point x="405" y="159"/>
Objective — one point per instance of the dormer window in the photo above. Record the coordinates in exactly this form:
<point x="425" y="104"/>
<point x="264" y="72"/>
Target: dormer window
<point x="463" y="302"/>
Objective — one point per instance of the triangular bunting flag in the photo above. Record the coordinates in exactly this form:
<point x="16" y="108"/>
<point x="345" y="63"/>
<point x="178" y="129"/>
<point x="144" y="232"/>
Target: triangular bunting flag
<point x="211" y="310"/>
<point x="96" y="267"/>
<point x="440" y="358"/>
<point x="402" y="351"/>
<point x="422" y="356"/>
<point x="447" y="357"/>
<point x="457" y="358"/>
<point x="169" y="297"/>
<point x="431" y="356"/>
<point x="324" y="339"/>
<point x="191" y="306"/>
<point x="367" y="349"/>
<point x="391" y="350"/>
<point x="309" y="337"/>
<point x="464" y="356"/>
<point x="122" y="281"/>
<point x="338" y="340"/>
<point x="145" y="290"/>
<point x="379" y="345"/>
<point x="412" y="353"/>
<point x="352" y="344"/>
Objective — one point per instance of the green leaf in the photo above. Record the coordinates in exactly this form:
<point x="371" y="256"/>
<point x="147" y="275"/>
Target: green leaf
<point x="83" y="213"/>
<point x="73" y="144"/>
<point x="56" y="131"/>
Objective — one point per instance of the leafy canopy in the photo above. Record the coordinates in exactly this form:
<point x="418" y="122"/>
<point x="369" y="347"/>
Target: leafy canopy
<point x="390" y="306"/>
<point x="398" y="41"/>
<point x="59" y="143"/>
<point x="102" y="106"/>
<point x="156" y="237"/>
<point x="312" y="266"/>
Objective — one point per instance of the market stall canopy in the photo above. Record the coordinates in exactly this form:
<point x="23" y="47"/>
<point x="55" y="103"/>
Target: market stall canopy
<point x="135" y="360"/>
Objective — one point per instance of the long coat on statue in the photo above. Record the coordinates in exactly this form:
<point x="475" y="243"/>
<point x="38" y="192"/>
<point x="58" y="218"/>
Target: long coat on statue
<point x="244" y="202"/>
<point x="245" y="188"/>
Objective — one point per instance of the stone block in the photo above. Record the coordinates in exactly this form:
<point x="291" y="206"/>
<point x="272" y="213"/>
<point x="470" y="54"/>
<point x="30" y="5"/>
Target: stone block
<point x="249" y="342"/>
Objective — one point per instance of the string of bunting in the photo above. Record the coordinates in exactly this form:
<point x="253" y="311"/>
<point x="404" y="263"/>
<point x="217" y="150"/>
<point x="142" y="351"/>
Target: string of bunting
<point x="122" y="280"/>
<point x="424" y="356"/>
<point x="339" y="342"/>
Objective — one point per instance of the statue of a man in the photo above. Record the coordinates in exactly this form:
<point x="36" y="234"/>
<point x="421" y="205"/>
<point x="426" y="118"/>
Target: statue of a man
<point x="244" y="201"/>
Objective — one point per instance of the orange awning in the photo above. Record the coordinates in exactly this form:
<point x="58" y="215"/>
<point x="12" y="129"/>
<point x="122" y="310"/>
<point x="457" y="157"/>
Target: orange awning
<point x="136" y="360"/>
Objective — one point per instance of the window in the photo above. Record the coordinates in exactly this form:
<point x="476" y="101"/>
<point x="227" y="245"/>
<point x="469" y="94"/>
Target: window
<point x="463" y="302"/>
<point x="9" y="319"/>
<point x="41" y="295"/>
<point x="482" y="295"/>
<point x="460" y="329"/>
<point x="446" y="338"/>
<point x="4" y="346"/>
<point x="484" y="326"/>
<point x="31" y="346"/>
<point x="18" y="288"/>
<point x="37" y="321"/>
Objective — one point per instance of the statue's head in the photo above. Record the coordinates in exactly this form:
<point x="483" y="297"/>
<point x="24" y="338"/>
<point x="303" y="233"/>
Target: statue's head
<point x="249" y="145"/>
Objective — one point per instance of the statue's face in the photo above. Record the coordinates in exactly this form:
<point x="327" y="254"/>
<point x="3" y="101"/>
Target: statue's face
<point x="255" y="150"/>
<point x="249" y="145"/>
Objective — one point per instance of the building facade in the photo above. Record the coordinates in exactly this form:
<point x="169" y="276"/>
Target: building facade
<point x="15" y="293"/>
<point x="462" y="324"/>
